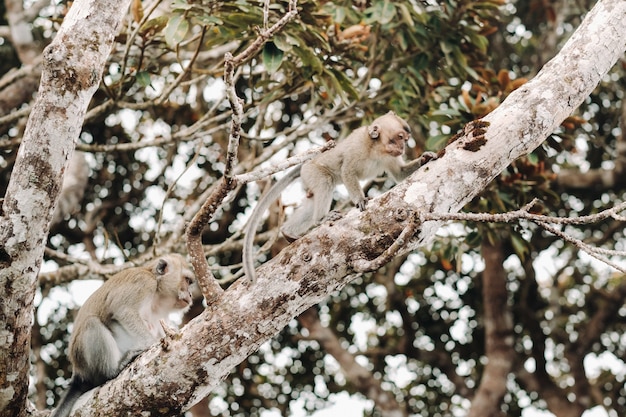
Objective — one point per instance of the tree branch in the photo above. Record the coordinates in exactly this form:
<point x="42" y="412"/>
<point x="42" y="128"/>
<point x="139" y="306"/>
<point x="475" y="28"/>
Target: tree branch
<point x="72" y="68"/>
<point x="544" y="222"/>
<point x="208" y="284"/>
<point x="318" y="264"/>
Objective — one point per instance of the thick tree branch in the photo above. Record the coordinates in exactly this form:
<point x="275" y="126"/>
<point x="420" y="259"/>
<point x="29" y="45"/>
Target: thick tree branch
<point x="316" y="265"/>
<point x="72" y="68"/>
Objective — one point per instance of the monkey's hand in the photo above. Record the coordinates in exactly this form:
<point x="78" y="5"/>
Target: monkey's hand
<point x="427" y="157"/>
<point x="362" y="204"/>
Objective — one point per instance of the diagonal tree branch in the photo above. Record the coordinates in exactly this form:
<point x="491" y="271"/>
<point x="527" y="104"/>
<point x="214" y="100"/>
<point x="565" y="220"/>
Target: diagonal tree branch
<point x="318" y="264"/>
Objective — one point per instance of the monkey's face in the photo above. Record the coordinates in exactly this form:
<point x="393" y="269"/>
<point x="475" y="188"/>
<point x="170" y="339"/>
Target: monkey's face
<point x="174" y="281"/>
<point x="395" y="143"/>
<point x="184" y="291"/>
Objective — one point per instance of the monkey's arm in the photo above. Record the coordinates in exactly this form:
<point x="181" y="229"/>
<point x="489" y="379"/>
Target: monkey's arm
<point x="257" y="215"/>
<point x="402" y="171"/>
<point x="132" y="335"/>
<point x="350" y="179"/>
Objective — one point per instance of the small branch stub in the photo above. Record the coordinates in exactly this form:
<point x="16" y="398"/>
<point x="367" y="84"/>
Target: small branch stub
<point x="363" y="265"/>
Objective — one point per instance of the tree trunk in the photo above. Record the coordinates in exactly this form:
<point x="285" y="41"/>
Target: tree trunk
<point x="72" y="69"/>
<point x="246" y="315"/>
<point x="498" y="334"/>
<point x="323" y="261"/>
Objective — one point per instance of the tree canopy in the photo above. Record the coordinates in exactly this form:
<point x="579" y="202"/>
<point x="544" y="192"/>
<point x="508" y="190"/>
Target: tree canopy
<point x="490" y="282"/>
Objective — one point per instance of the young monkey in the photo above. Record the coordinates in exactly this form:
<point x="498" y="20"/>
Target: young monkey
<point x="366" y="153"/>
<point x="120" y="320"/>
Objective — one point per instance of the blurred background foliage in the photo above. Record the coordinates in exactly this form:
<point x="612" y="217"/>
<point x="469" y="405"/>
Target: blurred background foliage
<point x="155" y="139"/>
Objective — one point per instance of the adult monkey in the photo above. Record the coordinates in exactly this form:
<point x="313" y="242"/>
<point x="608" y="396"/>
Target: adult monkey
<point x="121" y="319"/>
<point x="366" y="153"/>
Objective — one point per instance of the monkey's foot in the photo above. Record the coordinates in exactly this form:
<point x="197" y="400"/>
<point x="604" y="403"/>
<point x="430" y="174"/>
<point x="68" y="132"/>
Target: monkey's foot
<point x="333" y="216"/>
<point x="289" y="237"/>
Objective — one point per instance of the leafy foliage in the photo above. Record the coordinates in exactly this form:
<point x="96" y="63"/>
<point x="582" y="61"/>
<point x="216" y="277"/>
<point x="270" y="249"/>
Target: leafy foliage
<point x="156" y="136"/>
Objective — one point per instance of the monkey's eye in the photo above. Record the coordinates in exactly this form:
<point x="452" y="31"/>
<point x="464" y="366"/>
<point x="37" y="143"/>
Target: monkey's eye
<point x="189" y="280"/>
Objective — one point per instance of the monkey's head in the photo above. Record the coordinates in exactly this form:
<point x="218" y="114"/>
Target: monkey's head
<point x="174" y="280"/>
<point x="392" y="133"/>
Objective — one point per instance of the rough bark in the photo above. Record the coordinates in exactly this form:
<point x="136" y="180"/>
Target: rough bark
<point x="168" y="381"/>
<point x="72" y="69"/>
<point x="321" y="262"/>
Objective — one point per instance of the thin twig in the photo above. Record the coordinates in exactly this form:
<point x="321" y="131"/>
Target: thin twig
<point x="281" y="166"/>
<point x="363" y="265"/>
<point x="523" y="213"/>
<point x="545" y="222"/>
<point x="590" y="250"/>
<point x="207" y="282"/>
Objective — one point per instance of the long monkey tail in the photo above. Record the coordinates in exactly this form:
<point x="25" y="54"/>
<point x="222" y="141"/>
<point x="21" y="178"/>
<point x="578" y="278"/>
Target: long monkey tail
<point x="77" y="388"/>
<point x="255" y="220"/>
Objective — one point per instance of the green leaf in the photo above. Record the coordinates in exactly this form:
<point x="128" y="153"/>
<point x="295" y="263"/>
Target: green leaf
<point x="282" y="43"/>
<point x="420" y="61"/>
<point x="520" y="246"/>
<point x="533" y="158"/>
<point x="437" y="141"/>
<point x="346" y="84"/>
<point x="381" y="12"/>
<point x="210" y="20"/>
<point x="402" y="43"/>
<point x="388" y="12"/>
<point x="478" y="40"/>
<point x="445" y="112"/>
<point x="143" y="79"/>
<point x="338" y="14"/>
<point x="155" y="25"/>
<point x="406" y="14"/>
<point x="272" y="57"/>
<point x="242" y="20"/>
<point x="181" y="5"/>
<point x="176" y="30"/>
<point x="309" y="59"/>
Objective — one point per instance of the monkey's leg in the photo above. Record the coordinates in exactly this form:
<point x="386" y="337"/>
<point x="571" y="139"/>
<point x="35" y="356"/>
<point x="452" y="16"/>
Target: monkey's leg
<point x="319" y="186"/>
<point x="299" y="222"/>
<point x="128" y="358"/>
<point x="98" y="356"/>
<point x="320" y="183"/>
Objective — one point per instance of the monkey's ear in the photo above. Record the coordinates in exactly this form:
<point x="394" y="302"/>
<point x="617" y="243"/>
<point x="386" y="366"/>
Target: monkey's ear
<point x="373" y="131"/>
<point x="161" y="267"/>
<point x="391" y="112"/>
